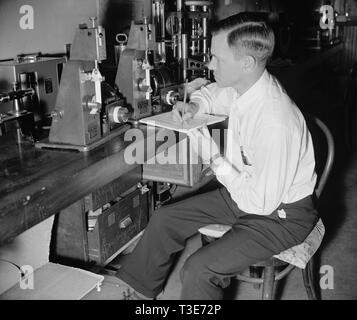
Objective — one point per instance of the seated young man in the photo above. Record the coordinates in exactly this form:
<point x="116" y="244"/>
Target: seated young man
<point x="267" y="174"/>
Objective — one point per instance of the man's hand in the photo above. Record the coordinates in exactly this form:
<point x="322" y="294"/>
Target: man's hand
<point x="184" y="111"/>
<point x="203" y="144"/>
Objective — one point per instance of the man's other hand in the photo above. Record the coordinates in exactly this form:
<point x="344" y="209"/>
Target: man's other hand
<point x="184" y="111"/>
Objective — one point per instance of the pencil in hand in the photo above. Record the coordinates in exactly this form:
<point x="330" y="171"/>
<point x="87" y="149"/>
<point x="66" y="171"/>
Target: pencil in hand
<point x="184" y="99"/>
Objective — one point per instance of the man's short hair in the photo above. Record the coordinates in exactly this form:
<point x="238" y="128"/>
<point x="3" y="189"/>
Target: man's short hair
<point x="248" y="32"/>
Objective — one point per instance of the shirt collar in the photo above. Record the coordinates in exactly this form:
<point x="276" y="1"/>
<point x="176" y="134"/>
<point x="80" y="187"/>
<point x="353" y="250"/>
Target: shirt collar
<point x="253" y="93"/>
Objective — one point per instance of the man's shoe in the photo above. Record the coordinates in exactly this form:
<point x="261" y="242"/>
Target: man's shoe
<point x="129" y="293"/>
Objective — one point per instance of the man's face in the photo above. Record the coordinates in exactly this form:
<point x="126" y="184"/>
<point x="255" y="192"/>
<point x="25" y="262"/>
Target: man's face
<point x="227" y="67"/>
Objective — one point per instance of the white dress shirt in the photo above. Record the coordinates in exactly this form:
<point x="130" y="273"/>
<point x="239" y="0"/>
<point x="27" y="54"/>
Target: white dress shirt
<point x="269" y="156"/>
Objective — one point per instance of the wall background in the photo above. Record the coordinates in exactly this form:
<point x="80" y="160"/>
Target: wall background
<point x="55" y="21"/>
<point x="54" y="25"/>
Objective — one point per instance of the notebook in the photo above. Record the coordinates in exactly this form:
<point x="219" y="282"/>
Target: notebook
<point x="165" y="120"/>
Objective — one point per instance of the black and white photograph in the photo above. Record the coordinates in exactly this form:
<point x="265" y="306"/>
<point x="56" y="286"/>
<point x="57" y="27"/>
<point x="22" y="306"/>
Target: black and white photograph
<point x="166" y="151"/>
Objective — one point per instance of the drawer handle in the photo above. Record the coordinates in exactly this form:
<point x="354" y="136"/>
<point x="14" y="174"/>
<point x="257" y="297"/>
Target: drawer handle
<point x="125" y="222"/>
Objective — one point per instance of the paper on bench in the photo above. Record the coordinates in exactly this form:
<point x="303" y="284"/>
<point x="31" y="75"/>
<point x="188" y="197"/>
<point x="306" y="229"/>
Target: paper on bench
<point x="165" y="120"/>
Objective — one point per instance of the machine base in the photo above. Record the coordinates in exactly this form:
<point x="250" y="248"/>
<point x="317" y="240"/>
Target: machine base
<point x="45" y="144"/>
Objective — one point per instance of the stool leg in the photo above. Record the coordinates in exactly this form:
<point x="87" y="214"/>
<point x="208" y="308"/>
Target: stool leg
<point x="255" y="272"/>
<point x="268" y="284"/>
<point x="307" y="275"/>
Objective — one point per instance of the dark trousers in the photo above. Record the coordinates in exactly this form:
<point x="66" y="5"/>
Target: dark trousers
<point x="253" y="238"/>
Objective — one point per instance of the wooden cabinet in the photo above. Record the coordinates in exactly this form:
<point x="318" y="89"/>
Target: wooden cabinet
<point x="93" y="230"/>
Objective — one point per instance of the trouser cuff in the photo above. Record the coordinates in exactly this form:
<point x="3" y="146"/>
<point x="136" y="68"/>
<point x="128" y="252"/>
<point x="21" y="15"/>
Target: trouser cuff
<point x="137" y="286"/>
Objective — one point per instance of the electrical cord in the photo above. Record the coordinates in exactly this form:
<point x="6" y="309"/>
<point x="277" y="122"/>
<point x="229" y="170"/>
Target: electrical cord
<point x="15" y="265"/>
<point x="173" y="189"/>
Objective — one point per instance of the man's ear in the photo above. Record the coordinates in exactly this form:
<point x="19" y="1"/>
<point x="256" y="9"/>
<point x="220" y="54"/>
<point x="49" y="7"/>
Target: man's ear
<point x="249" y="63"/>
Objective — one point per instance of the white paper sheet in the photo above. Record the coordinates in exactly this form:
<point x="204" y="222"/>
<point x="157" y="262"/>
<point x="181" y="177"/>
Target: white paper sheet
<point x="165" y="120"/>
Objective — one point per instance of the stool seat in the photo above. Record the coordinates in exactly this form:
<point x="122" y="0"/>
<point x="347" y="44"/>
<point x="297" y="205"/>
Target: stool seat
<point x="298" y="255"/>
<point x="214" y="230"/>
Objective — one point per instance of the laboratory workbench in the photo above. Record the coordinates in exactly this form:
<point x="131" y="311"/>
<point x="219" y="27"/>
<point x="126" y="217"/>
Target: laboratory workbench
<point x="37" y="183"/>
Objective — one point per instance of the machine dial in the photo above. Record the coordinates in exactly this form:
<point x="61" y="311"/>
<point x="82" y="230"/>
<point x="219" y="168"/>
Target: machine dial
<point x="118" y="114"/>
